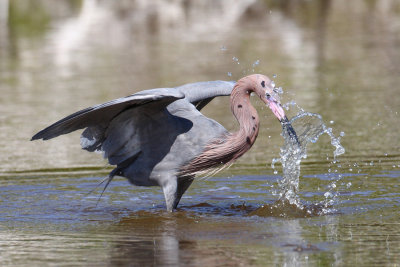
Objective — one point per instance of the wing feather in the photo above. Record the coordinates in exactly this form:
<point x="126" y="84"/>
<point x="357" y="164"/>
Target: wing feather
<point x="102" y="114"/>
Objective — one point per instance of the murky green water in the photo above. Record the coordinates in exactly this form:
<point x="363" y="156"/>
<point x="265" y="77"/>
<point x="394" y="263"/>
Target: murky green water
<point x="335" y="58"/>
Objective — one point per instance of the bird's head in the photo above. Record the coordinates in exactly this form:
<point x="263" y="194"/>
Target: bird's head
<point x="265" y="88"/>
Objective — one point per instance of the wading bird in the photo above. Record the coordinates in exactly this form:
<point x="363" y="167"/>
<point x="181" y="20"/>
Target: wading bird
<point x="159" y="137"/>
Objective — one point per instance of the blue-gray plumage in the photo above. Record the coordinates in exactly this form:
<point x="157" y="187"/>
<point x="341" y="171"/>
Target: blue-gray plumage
<point x="159" y="137"/>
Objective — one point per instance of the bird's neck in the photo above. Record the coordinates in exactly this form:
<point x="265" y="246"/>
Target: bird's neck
<point x="247" y="117"/>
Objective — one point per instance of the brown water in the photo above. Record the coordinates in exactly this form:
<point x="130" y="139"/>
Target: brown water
<point x="336" y="58"/>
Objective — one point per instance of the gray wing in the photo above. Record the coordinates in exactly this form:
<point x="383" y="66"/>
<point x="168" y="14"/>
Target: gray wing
<point x="121" y="127"/>
<point x="101" y="115"/>
<point x="201" y="93"/>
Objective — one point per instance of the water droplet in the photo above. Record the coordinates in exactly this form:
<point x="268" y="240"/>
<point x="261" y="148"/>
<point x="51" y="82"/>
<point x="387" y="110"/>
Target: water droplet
<point x="230" y="74"/>
<point x="223" y="48"/>
<point x="348" y="185"/>
<point x="235" y="59"/>
<point x="331" y="122"/>
<point x="274" y="76"/>
<point x="272" y="84"/>
<point x="342" y="134"/>
<point x="279" y="91"/>
<point x="256" y="63"/>
<point x="275" y="172"/>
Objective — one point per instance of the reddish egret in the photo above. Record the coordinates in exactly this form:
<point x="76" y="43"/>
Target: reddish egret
<point x="159" y="137"/>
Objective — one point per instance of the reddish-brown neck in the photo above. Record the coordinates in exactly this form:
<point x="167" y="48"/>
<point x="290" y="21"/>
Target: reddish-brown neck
<point x="246" y="115"/>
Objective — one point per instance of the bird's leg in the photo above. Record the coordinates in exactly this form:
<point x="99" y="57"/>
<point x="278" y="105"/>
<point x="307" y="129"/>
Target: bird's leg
<point x="174" y="189"/>
<point x="169" y="188"/>
<point x="183" y="185"/>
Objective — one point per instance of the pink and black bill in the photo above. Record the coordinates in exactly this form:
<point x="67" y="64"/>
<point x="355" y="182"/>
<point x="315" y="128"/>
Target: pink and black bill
<point x="278" y="111"/>
<point x="286" y="126"/>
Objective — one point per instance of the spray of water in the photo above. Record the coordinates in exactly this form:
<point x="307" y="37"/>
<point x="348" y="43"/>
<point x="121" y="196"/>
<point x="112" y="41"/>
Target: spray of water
<point x="309" y="127"/>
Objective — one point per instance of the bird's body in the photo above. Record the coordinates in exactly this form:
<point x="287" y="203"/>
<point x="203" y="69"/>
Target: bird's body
<point x="159" y="137"/>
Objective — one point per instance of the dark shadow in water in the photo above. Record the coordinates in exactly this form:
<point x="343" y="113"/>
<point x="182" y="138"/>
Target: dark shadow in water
<point x="206" y="208"/>
<point x="281" y="208"/>
<point x="300" y="248"/>
<point x="284" y="209"/>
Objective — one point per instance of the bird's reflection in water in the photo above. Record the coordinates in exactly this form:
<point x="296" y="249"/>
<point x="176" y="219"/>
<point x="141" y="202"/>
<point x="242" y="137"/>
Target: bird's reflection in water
<point x="163" y="250"/>
<point x="147" y="238"/>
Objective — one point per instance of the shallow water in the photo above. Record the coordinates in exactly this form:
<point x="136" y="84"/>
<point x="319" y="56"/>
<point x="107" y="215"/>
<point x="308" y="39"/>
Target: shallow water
<point x="333" y="58"/>
<point x="48" y="220"/>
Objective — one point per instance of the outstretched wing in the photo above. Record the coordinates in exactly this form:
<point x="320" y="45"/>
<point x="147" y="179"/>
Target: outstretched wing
<point x="201" y="93"/>
<point x="121" y="127"/>
<point x="102" y="114"/>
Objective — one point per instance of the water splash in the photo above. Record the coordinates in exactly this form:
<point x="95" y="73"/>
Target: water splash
<point x="278" y="90"/>
<point x="309" y="127"/>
